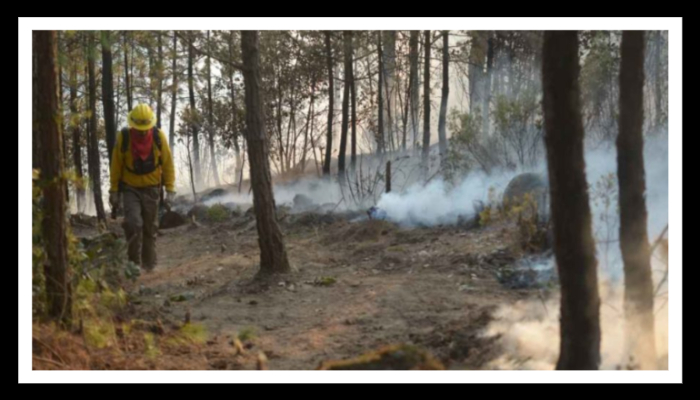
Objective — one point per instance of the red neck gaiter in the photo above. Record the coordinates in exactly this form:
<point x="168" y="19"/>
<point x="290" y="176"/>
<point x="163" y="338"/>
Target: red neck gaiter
<point x="141" y="144"/>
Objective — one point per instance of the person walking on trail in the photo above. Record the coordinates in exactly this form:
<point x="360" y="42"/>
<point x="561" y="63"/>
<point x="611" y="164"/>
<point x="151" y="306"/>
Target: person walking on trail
<point x="141" y="164"/>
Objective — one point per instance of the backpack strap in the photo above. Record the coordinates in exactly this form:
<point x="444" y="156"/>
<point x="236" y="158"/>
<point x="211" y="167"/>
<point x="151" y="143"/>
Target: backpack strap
<point x="125" y="139"/>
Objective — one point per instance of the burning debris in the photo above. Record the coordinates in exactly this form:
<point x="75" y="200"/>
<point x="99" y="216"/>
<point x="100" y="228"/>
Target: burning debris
<point x="376" y="213"/>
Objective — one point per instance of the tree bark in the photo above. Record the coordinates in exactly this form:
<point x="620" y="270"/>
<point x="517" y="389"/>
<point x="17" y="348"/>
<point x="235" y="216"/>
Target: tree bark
<point x="57" y="269"/>
<point x="634" y="242"/>
<point x="329" y="135"/>
<point x="571" y="216"/>
<point x="415" y="103"/>
<point x="442" y="124"/>
<point x="93" y="143"/>
<point x="173" y="103"/>
<point x="273" y="255"/>
<point x="193" y="112"/>
<point x="126" y="73"/>
<point x="212" y="150"/>
<point x="108" y="92"/>
<point x="347" y="44"/>
<point x="426" y="106"/>
<point x="75" y="127"/>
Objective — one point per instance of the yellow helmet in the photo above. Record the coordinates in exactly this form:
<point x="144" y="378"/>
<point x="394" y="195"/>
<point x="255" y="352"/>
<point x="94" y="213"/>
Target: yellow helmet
<point x="142" y="117"/>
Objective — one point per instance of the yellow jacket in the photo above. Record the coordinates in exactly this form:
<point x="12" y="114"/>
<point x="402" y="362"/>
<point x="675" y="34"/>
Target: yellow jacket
<point x="119" y="173"/>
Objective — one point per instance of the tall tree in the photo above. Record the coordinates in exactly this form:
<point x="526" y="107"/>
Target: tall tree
<point x="210" y="110"/>
<point x="353" y="110"/>
<point x="381" y="141"/>
<point x="415" y="103"/>
<point x="329" y="135"/>
<point x="173" y="102"/>
<point x="571" y="216"/>
<point x="108" y="92"/>
<point x="273" y="255"/>
<point x="127" y="78"/>
<point x="236" y="145"/>
<point x="57" y="269"/>
<point x="634" y="242"/>
<point x="194" y="115"/>
<point x="347" y="53"/>
<point x="75" y="121"/>
<point x="159" y="76"/>
<point x="426" y="105"/>
<point x="442" y="121"/>
<point x="93" y="144"/>
<point x="389" y="70"/>
<point x="486" y="127"/>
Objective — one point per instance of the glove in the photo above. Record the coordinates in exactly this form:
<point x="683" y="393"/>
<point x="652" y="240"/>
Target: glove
<point x="114" y="199"/>
<point x="169" y="198"/>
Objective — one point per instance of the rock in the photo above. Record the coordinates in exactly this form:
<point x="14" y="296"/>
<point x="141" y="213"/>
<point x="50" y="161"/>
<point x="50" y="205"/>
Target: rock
<point x="213" y="194"/>
<point x="199" y="211"/>
<point x="171" y="219"/>
<point x="528" y="184"/>
<point x="303" y="202"/>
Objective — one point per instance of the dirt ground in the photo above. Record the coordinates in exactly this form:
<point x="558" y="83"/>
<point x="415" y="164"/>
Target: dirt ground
<point x="356" y="287"/>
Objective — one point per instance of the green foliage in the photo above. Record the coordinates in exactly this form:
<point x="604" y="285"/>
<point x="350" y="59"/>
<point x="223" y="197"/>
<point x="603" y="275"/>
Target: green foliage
<point x="218" y="213"/>
<point x="247" y="333"/>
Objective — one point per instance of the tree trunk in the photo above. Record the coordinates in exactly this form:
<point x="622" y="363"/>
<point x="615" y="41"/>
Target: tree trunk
<point x="126" y="73"/>
<point x="108" y="92"/>
<point x="173" y="104"/>
<point x="212" y="150"/>
<point x="236" y="146"/>
<point x="442" y="128"/>
<point x="347" y="42"/>
<point x="273" y="255"/>
<point x="634" y="242"/>
<point x="415" y="103"/>
<point x="426" y="106"/>
<point x="159" y="72"/>
<point x="389" y="64"/>
<point x="57" y="269"/>
<point x="193" y="111"/>
<point x="353" y="112"/>
<point x="75" y="126"/>
<point x="486" y="127"/>
<point x="36" y="144"/>
<point x="93" y="144"/>
<point x="329" y="135"/>
<point x="571" y="216"/>
<point x="381" y="142"/>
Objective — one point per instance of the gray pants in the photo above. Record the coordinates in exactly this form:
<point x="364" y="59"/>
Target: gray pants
<point x="141" y="224"/>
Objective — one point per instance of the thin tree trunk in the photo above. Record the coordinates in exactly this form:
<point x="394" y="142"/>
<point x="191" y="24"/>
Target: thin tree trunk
<point x="75" y="126"/>
<point x="634" y="242"/>
<point x="159" y="72"/>
<point x="126" y="73"/>
<point x="236" y="146"/>
<point x="273" y="255"/>
<point x="353" y="113"/>
<point x="329" y="135"/>
<point x="487" y="91"/>
<point x="93" y="146"/>
<point x="571" y="216"/>
<point x="193" y="111"/>
<point x="442" y="124"/>
<point x="347" y="42"/>
<point x="57" y="269"/>
<point x="212" y="150"/>
<point x="426" y="106"/>
<point x="415" y="103"/>
<point x="108" y="92"/>
<point x="381" y="142"/>
<point x="173" y="103"/>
